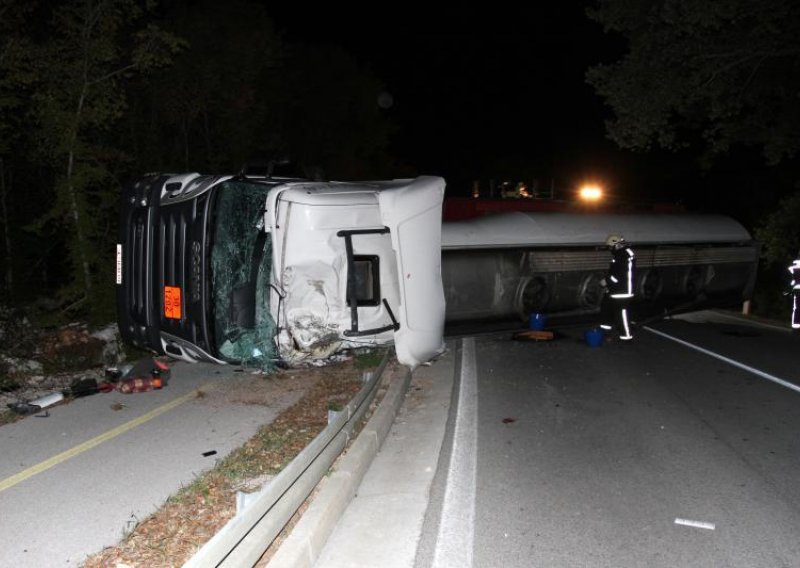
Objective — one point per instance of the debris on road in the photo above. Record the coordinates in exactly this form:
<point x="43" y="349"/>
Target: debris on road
<point x="145" y="375"/>
<point x="209" y="453"/>
<point x="533" y="335"/>
<point x="143" y="384"/>
<point x="37" y="405"/>
<point x="696" y="524"/>
<point x="85" y="387"/>
<point x="23" y="408"/>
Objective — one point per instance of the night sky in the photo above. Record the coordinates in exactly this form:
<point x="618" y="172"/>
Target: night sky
<point x="480" y="96"/>
<point x="502" y="95"/>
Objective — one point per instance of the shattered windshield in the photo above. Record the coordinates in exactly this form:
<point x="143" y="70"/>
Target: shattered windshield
<point x="241" y="257"/>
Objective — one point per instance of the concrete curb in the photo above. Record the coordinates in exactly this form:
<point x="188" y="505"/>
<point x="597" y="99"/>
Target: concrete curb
<point x="305" y="543"/>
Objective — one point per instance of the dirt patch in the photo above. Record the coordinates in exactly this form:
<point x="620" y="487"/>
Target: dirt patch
<point x="271" y="390"/>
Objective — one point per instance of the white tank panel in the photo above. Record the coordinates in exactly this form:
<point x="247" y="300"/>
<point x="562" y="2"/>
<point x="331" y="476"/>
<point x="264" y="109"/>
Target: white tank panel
<point x="521" y="229"/>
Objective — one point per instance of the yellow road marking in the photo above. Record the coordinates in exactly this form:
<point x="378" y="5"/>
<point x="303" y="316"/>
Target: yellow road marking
<point x="89" y="444"/>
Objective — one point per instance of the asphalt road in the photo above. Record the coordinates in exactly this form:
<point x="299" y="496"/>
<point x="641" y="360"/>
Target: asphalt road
<point x="555" y="454"/>
<point x="642" y="454"/>
<point x="75" y="481"/>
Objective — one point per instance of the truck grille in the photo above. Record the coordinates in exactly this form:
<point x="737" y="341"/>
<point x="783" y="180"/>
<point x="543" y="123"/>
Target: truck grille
<point x="137" y="267"/>
<point x="181" y="236"/>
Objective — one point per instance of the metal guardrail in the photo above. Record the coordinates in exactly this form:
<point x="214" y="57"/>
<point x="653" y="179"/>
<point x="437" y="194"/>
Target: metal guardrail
<point x="243" y="540"/>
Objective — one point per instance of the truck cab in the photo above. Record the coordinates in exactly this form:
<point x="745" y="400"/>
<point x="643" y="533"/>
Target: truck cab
<point x="261" y="270"/>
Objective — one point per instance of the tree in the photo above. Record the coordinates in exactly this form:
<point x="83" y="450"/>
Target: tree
<point x="210" y="111"/>
<point x="16" y="79"/>
<point x="726" y="71"/>
<point x="778" y="232"/>
<point x="330" y="115"/>
<point x="94" y="47"/>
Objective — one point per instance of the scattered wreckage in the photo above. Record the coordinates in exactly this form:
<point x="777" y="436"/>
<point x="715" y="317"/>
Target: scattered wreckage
<point x="145" y="375"/>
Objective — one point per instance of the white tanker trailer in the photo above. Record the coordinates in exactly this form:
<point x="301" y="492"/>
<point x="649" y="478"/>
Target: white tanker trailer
<point x="256" y="270"/>
<point x="511" y="264"/>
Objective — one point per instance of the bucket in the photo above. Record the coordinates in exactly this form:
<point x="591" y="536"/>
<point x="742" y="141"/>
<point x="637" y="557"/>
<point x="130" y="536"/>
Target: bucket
<point x="593" y="337"/>
<point x="536" y="321"/>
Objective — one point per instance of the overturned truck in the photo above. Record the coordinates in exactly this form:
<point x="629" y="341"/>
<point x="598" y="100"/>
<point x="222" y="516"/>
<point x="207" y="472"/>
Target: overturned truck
<point x="261" y="270"/>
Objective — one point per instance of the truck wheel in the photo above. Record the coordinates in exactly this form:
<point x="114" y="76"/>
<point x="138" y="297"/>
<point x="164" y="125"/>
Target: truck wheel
<point x="590" y="293"/>
<point x="651" y="284"/>
<point x="532" y="295"/>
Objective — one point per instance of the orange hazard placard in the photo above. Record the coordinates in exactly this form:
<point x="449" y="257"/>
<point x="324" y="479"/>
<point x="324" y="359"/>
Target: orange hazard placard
<point x="172" y="302"/>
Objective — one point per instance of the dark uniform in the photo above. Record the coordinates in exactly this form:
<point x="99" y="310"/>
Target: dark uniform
<point x="794" y="270"/>
<point x="619" y="288"/>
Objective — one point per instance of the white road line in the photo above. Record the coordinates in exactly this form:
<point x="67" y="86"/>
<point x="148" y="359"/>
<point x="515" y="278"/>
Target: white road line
<point x="733" y="362"/>
<point x="9" y="482"/>
<point x="696" y="524"/>
<point x="454" y="548"/>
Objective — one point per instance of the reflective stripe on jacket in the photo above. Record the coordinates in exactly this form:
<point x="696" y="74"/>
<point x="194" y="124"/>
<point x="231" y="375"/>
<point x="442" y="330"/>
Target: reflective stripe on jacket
<point x="620" y="273"/>
<point x="794" y="270"/>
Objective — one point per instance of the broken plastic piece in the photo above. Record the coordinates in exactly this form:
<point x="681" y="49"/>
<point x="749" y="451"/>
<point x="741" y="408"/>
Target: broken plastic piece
<point x="209" y="453"/>
<point x="48" y="400"/>
<point x="35" y="406"/>
<point x="23" y="408"/>
<point x="114" y="374"/>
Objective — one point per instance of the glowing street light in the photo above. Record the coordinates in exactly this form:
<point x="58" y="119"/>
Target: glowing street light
<point x="591" y="193"/>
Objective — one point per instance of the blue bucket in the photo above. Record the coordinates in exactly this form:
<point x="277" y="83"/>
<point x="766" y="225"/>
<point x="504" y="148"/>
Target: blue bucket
<point x="536" y="321"/>
<point x="593" y="337"/>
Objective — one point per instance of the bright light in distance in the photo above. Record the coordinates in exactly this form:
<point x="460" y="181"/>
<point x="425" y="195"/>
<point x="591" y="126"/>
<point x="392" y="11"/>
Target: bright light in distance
<point x="591" y="193"/>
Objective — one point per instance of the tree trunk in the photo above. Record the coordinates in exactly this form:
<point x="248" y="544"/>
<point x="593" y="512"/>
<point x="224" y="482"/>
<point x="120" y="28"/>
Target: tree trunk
<point x="207" y="131"/>
<point x="9" y="261"/>
<point x="185" y="145"/>
<point x="73" y="199"/>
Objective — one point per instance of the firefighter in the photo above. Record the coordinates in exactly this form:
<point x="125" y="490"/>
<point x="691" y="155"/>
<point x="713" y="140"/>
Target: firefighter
<point x="619" y="287"/>
<point x="794" y="270"/>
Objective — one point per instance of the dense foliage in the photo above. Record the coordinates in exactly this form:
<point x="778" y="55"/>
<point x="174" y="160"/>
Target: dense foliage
<point x="714" y="74"/>
<point x="96" y="92"/>
<point x="717" y="78"/>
